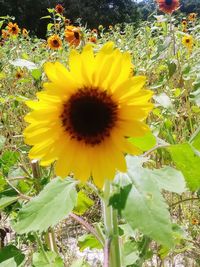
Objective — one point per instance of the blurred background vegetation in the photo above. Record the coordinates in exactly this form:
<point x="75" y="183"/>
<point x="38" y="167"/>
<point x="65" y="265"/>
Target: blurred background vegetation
<point x="27" y="13"/>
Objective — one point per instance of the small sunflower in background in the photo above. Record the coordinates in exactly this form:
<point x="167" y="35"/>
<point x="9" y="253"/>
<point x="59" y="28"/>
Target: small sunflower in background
<point x="100" y="27"/>
<point x="110" y="27"/>
<point x="72" y="35"/>
<point x="5" y="34"/>
<point x="54" y="42"/>
<point x="95" y="31"/>
<point x="13" y="28"/>
<point x="184" y="22"/>
<point x="85" y="114"/>
<point x="19" y="74"/>
<point x="192" y="17"/>
<point x="92" y="39"/>
<point x="24" y="32"/>
<point x="168" y="6"/>
<point x="67" y="22"/>
<point x="195" y="221"/>
<point x="59" y="9"/>
<point x="188" y="42"/>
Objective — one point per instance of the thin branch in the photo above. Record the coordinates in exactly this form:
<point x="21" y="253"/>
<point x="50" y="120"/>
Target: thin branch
<point x="107" y="253"/>
<point x="86" y="225"/>
<point x="155" y="148"/>
<point x="183" y="200"/>
<point x="20" y="194"/>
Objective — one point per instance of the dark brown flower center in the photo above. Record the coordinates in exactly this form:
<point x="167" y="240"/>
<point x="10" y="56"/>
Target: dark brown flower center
<point x="14" y="29"/>
<point x="89" y="115"/>
<point x="76" y="35"/>
<point x="168" y="2"/>
<point x="55" y="42"/>
<point x="187" y="40"/>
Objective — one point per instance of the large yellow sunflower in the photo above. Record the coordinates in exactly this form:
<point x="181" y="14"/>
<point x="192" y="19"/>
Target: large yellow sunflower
<point x="84" y="115"/>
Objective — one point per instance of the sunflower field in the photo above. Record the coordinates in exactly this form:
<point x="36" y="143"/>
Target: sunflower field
<point x="100" y="142"/>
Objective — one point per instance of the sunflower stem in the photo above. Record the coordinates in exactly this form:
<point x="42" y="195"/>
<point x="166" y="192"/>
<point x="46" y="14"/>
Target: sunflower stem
<point x="111" y="229"/>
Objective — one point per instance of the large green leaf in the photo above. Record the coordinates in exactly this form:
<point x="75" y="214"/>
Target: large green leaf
<point x="187" y="161"/>
<point x="53" y="204"/>
<point x="6" y="201"/>
<point x="169" y="179"/>
<point x="145" y="208"/>
<point x="11" y="253"/>
<point x="51" y="260"/>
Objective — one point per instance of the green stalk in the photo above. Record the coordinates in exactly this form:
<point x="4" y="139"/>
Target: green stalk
<point x="111" y="228"/>
<point x="41" y="247"/>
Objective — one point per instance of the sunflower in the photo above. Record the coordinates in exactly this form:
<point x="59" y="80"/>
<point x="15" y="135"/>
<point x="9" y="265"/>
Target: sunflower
<point x="54" y="42"/>
<point x="67" y="22"/>
<point x="192" y="16"/>
<point x="59" y="9"/>
<point x="168" y="6"/>
<point x="92" y="39"/>
<point x="188" y="42"/>
<point x="13" y="28"/>
<point x="195" y="221"/>
<point x="84" y="116"/>
<point x="5" y="34"/>
<point x="184" y="23"/>
<point x="19" y="74"/>
<point x="95" y="31"/>
<point x="72" y="35"/>
<point x="24" y="32"/>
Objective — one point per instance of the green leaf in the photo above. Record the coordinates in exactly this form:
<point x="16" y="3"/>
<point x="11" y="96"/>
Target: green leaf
<point x="1" y="23"/>
<point x="49" y="26"/>
<point x="188" y="162"/>
<point x="6" y="201"/>
<point x="195" y="139"/>
<point x="171" y="68"/>
<point x="80" y="263"/>
<point x="46" y="17"/>
<point x="9" y="263"/>
<point x="36" y="73"/>
<point x="13" y="253"/>
<point x="52" y="204"/>
<point x="145" y="208"/>
<point x="118" y="200"/>
<point x="145" y="142"/>
<point x="88" y="241"/>
<point x="2" y="141"/>
<point x="169" y="179"/>
<point x="39" y="260"/>
<point x="83" y="203"/>
<point x="130" y="253"/>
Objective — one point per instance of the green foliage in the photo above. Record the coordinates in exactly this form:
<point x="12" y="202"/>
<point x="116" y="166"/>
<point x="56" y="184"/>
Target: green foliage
<point x="118" y="200"/>
<point x="49" y="259"/>
<point x="6" y="201"/>
<point x="11" y="255"/>
<point x="149" y="213"/>
<point x="188" y="162"/>
<point x="88" y="241"/>
<point x="145" y="142"/>
<point x="52" y="204"/>
<point x="83" y="203"/>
